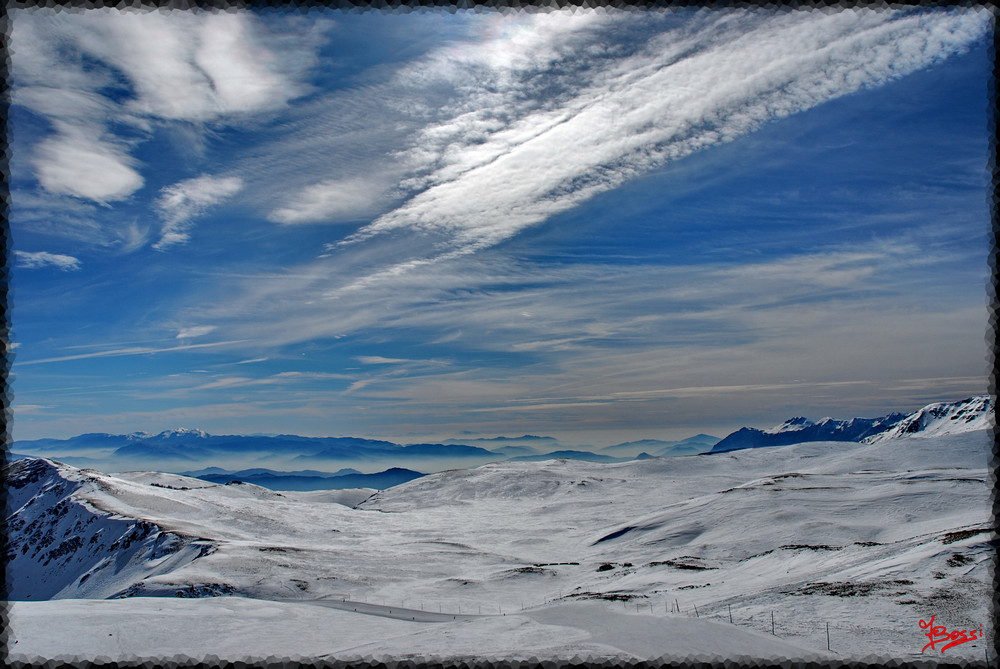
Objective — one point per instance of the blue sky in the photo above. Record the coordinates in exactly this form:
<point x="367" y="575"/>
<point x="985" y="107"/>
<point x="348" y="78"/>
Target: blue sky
<point x="595" y="225"/>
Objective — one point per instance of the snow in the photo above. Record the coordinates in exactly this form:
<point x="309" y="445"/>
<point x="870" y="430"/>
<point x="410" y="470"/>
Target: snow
<point x="562" y="557"/>
<point x="791" y="425"/>
<point x="234" y="628"/>
<point x="970" y="415"/>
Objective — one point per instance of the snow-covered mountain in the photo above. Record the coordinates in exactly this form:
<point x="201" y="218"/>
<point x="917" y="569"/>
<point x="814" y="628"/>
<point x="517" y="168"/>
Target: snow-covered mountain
<point x="800" y="430"/>
<point x="867" y="537"/>
<point x="974" y="413"/>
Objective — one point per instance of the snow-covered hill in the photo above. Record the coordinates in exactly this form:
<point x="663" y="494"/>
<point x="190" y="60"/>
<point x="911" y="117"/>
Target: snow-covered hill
<point x="867" y="537"/>
<point x="969" y="415"/>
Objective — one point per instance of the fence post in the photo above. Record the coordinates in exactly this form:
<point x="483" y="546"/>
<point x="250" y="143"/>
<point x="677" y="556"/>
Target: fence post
<point x="696" y="611"/>
<point x="730" y="613"/>
<point x="828" y="636"/>
<point x="772" y="624"/>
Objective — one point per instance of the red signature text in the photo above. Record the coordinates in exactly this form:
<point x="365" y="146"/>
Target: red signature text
<point x="939" y="634"/>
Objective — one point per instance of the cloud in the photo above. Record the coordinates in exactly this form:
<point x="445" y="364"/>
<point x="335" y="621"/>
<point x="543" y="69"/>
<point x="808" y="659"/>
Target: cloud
<point x="26" y="409"/>
<point x="379" y="360"/>
<point x="38" y="259"/>
<point x="179" y="203"/>
<point x="196" y="331"/>
<point x="503" y="161"/>
<point x="85" y="71"/>
<point x="73" y="164"/>
<point x="130" y="350"/>
<point x="333" y="200"/>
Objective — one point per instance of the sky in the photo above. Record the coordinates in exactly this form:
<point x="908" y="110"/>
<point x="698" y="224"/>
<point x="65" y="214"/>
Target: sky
<point x="597" y="225"/>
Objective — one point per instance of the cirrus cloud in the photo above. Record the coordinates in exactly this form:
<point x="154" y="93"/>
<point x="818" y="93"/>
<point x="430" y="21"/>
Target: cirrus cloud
<point x="39" y="259"/>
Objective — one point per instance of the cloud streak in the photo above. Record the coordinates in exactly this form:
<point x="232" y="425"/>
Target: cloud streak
<point x="495" y="173"/>
<point x="131" y="350"/>
<point x="39" y="259"/>
<point x="180" y="203"/>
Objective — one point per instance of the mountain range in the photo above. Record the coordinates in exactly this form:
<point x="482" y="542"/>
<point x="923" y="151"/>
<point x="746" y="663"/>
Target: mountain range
<point x="974" y="413"/>
<point x="281" y="456"/>
<point x="309" y="479"/>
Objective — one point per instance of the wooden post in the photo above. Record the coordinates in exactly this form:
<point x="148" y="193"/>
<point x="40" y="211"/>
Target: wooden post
<point x="678" y="606"/>
<point x="696" y="611"/>
<point x="772" y="624"/>
<point x="828" y="636"/>
<point x="730" y="613"/>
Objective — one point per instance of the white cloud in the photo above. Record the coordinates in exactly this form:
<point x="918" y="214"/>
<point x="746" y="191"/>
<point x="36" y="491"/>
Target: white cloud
<point x="504" y="160"/>
<point x="173" y="66"/>
<point x="195" y="331"/>
<point x="332" y="200"/>
<point x="37" y="259"/>
<point x="130" y="350"/>
<point x="194" y="65"/>
<point x="379" y="360"/>
<point x="183" y="201"/>
<point x="72" y="163"/>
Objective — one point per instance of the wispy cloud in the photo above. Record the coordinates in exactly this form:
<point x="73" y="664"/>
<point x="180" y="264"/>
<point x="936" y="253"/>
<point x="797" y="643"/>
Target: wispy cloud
<point x="502" y="164"/>
<point x="331" y="201"/>
<point x="180" y="203"/>
<point x="131" y="350"/>
<point x="500" y="132"/>
<point x="37" y="259"/>
<point x="162" y="66"/>
<point x="379" y="360"/>
<point x="195" y="331"/>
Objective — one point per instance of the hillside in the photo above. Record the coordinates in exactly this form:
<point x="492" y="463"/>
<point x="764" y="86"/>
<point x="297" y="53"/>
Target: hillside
<point x="868" y="537"/>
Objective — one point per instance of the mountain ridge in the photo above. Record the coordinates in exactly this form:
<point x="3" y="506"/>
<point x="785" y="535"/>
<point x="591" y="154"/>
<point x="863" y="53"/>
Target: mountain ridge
<point x="938" y="418"/>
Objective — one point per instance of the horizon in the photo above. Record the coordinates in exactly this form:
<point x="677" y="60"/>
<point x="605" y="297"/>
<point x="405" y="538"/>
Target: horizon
<point x="499" y="438"/>
<point x="367" y="456"/>
<point x="414" y="227"/>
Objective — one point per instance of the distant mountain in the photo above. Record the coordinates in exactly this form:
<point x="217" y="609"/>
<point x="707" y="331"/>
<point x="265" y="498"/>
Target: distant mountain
<point x="189" y="449"/>
<point x="630" y="447"/>
<point x="974" y="413"/>
<point x="213" y="471"/>
<point x="799" y="430"/>
<point x="514" y="451"/>
<point x="527" y="444"/>
<point x="586" y="456"/>
<point x="398" y="452"/>
<point x="700" y="443"/>
<point x="309" y="480"/>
